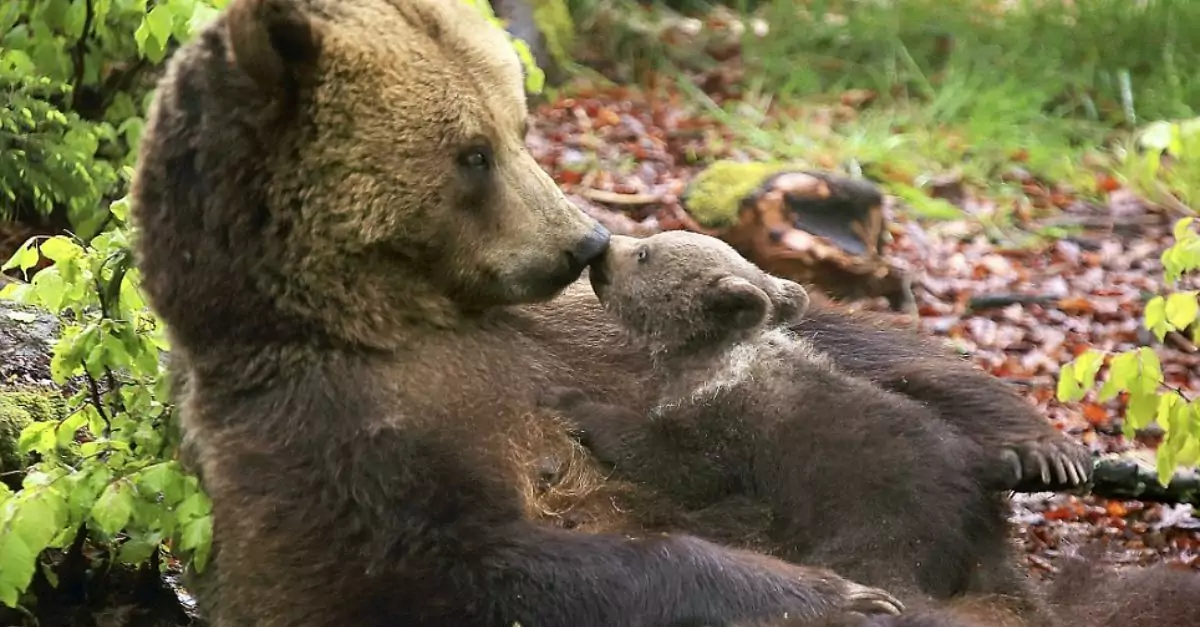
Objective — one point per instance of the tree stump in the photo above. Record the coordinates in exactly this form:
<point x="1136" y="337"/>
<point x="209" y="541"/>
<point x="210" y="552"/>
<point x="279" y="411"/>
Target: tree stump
<point x="823" y="231"/>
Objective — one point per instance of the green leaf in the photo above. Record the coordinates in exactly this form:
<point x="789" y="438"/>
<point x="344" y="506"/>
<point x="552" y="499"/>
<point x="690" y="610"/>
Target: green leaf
<point x="1181" y="309"/>
<point x="1123" y="368"/>
<point x="1151" y="370"/>
<point x="59" y="248"/>
<point x="112" y="510"/>
<point x="1157" y="136"/>
<point x="17" y="561"/>
<point x="49" y="287"/>
<point x="201" y="16"/>
<point x="72" y="345"/>
<point x="197" y="505"/>
<point x="159" y="20"/>
<point x="37" y="437"/>
<point x="197" y="537"/>
<point x="120" y="208"/>
<point x="1068" y="385"/>
<point x="25" y="258"/>
<point x="142" y="35"/>
<point x="1183" y="228"/>
<point x="1189" y="453"/>
<point x="1140" y="411"/>
<point x="40" y="518"/>
<point x="162" y="478"/>
<point x="1087" y="365"/>
<point x="67" y="429"/>
<point x="85" y="487"/>
<point x="139" y="548"/>
<point x="1156" y="317"/>
<point x="1166" y="404"/>
<point x="1165" y="465"/>
<point x="9" y="594"/>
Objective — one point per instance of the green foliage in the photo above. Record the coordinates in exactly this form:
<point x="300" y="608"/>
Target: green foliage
<point x="1163" y="161"/>
<point x="62" y="146"/>
<point x="1138" y="373"/>
<point x="74" y="85"/>
<point x="535" y="78"/>
<point x="104" y="472"/>
<point x="1055" y="57"/>
<point x="109" y="464"/>
<point x="553" y="19"/>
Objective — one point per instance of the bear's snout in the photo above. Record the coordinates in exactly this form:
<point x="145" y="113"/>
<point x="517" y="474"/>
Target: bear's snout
<point x="590" y="248"/>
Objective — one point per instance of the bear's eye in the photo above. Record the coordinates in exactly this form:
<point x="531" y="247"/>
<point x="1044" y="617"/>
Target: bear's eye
<point x="643" y="253"/>
<point x="475" y="159"/>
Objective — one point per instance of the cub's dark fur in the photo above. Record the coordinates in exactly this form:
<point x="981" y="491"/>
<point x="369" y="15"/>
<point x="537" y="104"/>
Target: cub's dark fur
<point x="859" y="478"/>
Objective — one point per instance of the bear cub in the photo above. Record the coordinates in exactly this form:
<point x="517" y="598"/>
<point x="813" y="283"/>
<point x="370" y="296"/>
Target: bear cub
<point x="748" y="407"/>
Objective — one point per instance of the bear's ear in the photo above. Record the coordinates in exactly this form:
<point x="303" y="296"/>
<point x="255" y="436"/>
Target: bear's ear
<point x="737" y="302"/>
<point x="273" y="41"/>
<point x="790" y="301"/>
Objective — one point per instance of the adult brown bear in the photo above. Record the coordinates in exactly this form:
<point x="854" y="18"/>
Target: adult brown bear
<point x="336" y="210"/>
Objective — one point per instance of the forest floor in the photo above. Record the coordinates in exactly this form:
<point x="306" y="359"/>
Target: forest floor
<point x="1079" y="263"/>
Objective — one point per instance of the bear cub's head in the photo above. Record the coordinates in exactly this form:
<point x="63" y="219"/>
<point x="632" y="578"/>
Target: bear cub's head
<point x="680" y="291"/>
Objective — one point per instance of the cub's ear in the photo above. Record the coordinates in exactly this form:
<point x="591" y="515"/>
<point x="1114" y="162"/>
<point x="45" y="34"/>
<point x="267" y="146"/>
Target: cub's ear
<point x="790" y="301"/>
<point x="737" y="302"/>
<point x="272" y="41"/>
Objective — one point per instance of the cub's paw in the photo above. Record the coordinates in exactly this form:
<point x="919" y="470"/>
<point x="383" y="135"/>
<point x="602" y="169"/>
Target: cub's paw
<point x="1053" y="464"/>
<point x="561" y="398"/>
<point x="868" y="600"/>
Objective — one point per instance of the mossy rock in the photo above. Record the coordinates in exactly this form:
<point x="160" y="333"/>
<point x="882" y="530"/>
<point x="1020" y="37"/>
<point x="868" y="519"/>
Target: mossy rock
<point x="546" y="26"/>
<point x="714" y="196"/>
<point x="553" y="19"/>
<point x="18" y="409"/>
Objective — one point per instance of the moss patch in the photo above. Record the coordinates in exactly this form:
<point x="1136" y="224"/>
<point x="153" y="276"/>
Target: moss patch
<point x="558" y="29"/>
<point x="713" y="197"/>
<point x="18" y="409"/>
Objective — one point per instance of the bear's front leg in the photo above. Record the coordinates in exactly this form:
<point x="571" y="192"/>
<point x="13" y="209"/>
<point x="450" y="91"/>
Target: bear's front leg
<point x="1029" y="454"/>
<point x="612" y="433"/>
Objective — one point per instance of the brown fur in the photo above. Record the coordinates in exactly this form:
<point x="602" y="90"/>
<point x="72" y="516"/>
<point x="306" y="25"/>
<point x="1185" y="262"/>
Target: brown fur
<point x="981" y="407"/>
<point x="1084" y="593"/>
<point x="844" y="488"/>
<point x="1088" y="594"/>
<point x="915" y="519"/>
<point x="341" y="271"/>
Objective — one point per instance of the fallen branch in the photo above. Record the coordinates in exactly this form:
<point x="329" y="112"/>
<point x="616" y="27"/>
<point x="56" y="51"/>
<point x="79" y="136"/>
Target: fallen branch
<point x="615" y="198"/>
<point x="999" y="301"/>
<point x="1132" y="478"/>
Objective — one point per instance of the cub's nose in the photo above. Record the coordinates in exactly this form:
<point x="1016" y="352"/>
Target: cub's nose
<point x="590" y="248"/>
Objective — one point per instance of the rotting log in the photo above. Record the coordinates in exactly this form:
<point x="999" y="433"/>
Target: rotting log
<point x="1132" y="476"/>
<point x="823" y="231"/>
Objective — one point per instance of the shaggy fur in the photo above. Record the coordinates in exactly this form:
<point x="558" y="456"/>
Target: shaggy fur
<point x="858" y="478"/>
<point x="337" y="219"/>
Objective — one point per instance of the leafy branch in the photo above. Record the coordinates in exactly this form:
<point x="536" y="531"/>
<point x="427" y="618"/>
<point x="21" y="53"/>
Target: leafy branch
<point x="1137" y="374"/>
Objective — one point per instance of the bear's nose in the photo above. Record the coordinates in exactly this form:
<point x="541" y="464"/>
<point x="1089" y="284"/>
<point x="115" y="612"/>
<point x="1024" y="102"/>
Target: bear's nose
<point x="590" y="247"/>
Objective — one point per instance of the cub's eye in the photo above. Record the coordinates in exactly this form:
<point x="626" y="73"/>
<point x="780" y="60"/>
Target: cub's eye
<point x="475" y="159"/>
<point x="643" y="254"/>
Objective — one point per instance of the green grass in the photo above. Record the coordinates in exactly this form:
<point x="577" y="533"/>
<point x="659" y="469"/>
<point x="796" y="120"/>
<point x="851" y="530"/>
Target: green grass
<point x="963" y="86"/>
<point x="964" y="89"/>
<point x="1113" y="61"/>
